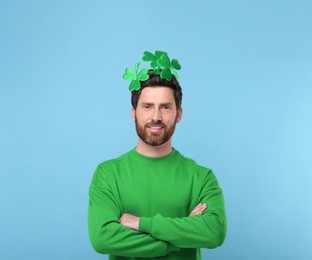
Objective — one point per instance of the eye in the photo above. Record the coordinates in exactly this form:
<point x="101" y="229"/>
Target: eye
<point x="146" y="107"/>
<point x="166" y="107"/>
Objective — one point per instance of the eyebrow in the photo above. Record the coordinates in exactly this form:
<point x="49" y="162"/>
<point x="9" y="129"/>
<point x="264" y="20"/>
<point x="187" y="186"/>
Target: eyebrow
<point x="166" y="104"/>
<point x="161" y="104"/>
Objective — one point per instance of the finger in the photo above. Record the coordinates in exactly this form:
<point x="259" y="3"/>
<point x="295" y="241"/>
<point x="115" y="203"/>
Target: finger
<point x="198" y="206"/>
<point x="204" y="207"/>
<point x="197" y="210"/>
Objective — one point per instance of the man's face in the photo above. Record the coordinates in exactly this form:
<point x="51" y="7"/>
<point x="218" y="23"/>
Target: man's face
<point x="156" y="115"/>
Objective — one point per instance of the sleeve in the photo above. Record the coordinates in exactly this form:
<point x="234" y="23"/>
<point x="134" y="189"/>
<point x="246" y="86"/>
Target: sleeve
<point x="107" y="236"/>
<point x="201" y="231"/>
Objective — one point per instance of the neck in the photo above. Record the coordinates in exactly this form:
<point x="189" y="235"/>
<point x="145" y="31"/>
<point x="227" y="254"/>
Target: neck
<point x="154" y="151"/>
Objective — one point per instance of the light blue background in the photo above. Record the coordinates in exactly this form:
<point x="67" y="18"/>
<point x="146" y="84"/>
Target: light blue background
<point x="64" y="107"/>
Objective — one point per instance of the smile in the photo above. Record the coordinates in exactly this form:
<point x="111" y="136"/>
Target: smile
<point x="155" y="128"/>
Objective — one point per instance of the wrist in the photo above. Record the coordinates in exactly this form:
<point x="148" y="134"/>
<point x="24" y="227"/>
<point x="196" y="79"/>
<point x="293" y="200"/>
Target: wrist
<point x="145" y="224"/>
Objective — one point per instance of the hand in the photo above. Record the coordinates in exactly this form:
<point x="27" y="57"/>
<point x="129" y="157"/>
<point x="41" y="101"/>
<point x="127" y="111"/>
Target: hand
<point x="199" y="209"/>
<point x="130" y="221"/>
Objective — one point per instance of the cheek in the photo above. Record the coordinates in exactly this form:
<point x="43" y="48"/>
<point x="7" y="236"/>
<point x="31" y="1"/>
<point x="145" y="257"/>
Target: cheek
<point x="142" y="117"/>
<point x="172" y="119"/>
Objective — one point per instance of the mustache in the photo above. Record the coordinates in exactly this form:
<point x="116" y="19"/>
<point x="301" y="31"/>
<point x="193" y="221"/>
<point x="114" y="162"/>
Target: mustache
<point x="155" y="124"/>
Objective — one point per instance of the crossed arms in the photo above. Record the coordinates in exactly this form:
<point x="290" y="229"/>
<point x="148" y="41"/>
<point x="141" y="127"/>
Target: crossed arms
<point x="115" y="233"/>
<point x="131" y="221"/>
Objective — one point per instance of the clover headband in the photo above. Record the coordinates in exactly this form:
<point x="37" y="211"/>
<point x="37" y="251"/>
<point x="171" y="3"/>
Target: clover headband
<point x="161" y="65"/>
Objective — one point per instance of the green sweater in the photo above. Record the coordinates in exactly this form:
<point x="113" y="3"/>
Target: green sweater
<point x="162" y="191"/>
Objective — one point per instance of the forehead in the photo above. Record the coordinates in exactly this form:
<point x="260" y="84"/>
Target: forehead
<point x="157" y="95"/>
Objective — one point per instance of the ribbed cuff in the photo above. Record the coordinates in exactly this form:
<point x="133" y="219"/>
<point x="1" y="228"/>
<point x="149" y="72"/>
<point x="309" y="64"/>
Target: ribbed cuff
<point x="145" y="225"/>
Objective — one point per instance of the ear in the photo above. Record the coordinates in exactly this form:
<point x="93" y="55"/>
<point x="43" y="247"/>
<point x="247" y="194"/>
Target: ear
<point x="179" y="114"/>
<point x="133" y="114"/>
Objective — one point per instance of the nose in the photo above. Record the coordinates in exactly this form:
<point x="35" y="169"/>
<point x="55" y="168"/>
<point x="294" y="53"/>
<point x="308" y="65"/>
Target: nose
<point x="156" y="115"/>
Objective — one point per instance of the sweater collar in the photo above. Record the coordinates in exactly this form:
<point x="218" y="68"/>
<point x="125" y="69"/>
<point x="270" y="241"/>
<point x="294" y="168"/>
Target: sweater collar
<point x="136" y="155"/>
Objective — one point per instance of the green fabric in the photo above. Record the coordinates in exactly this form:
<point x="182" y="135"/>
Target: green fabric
<point x="162" y="191"/>
<point x="161" y="65"/>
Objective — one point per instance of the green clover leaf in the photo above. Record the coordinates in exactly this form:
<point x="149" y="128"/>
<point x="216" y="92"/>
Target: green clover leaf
<point x="134" y="85"/>
<point x="175" y="64"/>
<point x="160" y="64"/>
<point x="166" y="74"/>
<point x="148" y="56"/>
<point x="143" y="75"/>
<point x="135" y="77"/>
<point x="129" y="74"/>
<point x="159" y="53"/>
<point x="164" y="61"/>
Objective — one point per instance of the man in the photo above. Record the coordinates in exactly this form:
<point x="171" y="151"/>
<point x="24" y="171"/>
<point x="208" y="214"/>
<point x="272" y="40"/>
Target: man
<point x="152" y="202"/>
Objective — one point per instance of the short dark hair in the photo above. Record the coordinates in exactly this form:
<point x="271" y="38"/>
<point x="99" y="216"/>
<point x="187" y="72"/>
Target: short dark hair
<point x="156" y="81"/>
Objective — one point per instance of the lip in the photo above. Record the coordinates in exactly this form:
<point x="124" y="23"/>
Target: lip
<point x="155" y="129"/>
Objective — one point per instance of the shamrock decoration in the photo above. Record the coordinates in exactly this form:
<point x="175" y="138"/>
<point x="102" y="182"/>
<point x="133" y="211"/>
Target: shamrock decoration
<point x="135" y="76"/>
<point x="161" y="65"/>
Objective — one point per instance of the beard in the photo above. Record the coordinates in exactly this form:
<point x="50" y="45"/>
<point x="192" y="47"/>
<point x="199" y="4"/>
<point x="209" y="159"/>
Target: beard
<point x="154" y="139"/>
